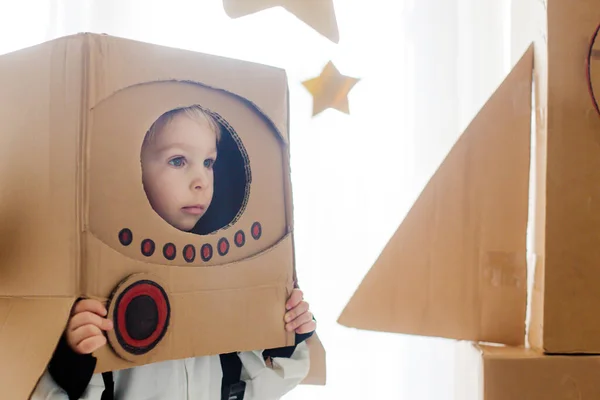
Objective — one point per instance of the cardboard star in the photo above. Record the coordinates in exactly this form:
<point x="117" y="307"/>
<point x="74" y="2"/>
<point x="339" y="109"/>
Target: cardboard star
<point x="318" y="14"/>
<point x="330" y="90"/>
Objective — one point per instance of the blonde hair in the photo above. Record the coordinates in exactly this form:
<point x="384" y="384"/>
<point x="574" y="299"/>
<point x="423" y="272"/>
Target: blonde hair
<point x="194" y="112"/>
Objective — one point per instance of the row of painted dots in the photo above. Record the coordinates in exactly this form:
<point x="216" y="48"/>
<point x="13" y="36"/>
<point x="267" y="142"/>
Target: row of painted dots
<point x="189" y="251"/>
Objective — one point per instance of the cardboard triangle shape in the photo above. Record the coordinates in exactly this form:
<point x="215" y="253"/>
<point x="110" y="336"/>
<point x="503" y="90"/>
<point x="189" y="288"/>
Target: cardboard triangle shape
<point x="456" y="266"/>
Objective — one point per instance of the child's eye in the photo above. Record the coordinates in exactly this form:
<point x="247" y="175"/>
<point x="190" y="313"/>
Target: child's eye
<point x="209" y="162"/>
<point x="177" y="162"/>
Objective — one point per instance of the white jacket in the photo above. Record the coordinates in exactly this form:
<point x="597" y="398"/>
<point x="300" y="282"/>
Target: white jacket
<point x="193" y="379"/>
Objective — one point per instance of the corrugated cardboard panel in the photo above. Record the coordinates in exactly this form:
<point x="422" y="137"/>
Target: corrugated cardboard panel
<point x="240" y="290"/>
<point x="506" y="373"/>
<point x="212" y="306"/>
<point x="456" y="266"/>
<point x="116" y="196"/>
<point x="29" y="331"/>
<point x="565" y="219"/>
<point x="118" y="63"/>
<point x="572" y="213"/>
<point x="40" y="93"/>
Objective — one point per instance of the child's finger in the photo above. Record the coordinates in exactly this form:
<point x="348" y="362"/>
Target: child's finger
<point x="295" y="298"/>
<point x="82" y="333"/>
<point x="308" y="327"/>
<point x="86" y="318"/>
<point x="296" y="311"/>
<point x="90" y="344"/>
<point x="302" y="319"/>
<point x="90" y="305"/>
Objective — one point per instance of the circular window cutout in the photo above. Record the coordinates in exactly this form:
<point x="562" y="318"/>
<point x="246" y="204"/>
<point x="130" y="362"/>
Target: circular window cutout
<point x="195" y="170"/>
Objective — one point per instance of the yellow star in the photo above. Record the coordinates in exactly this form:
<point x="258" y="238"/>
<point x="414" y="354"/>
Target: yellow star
<point x="330" y="90"/>
<point x="318" y="14"/>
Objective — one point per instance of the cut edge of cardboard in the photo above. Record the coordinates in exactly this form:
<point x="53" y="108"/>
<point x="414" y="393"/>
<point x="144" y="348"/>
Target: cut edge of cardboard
<point x="498" y="372"/>
<point x="378" y="305"/>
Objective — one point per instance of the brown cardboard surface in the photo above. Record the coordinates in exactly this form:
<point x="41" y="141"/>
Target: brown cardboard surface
<point x="567" y="299"/>
<point x="77" y="222"/>
<point x="30" y="329"/>
<point x="38" y="206"/>
<point x="39" y="120"/>
<point x="319" y="15"/>
<point x="251" y="280"/>
<point x="198" y="325"/>
<point x="456" y="266"/>
<point x="506" y="373"/>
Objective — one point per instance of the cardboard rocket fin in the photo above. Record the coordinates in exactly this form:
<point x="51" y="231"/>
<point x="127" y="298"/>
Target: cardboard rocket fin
<point x="31" y="329"/>
<point x="456" y="266"/>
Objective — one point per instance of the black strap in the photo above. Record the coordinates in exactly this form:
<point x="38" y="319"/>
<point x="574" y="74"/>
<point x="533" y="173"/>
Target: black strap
<point x="232" y="387"/>
<point x="71" y="371"/>
<point x="109" y="386"/>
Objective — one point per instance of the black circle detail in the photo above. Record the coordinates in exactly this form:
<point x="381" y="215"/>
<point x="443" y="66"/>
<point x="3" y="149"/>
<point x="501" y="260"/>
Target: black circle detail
<point x="132" y="319"/>
<point x="256" y="230"/>
<point x="141" y="317"/>
<point x="148" y="247"/>
<point x="169" y="251"/>
<point x="125" y="236"/>
<point x="223" y="246"/>
<point x="206" y="252"/>
<point x="189" y="253"/>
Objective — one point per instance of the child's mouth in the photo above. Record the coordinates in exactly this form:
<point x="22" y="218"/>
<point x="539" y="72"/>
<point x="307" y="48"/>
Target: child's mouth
<point x="194" y="210"/>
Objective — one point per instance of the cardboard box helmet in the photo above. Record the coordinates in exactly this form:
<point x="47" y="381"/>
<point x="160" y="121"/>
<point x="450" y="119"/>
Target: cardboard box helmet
<point x="193" y="178"/>
<point x="114" y="202"/>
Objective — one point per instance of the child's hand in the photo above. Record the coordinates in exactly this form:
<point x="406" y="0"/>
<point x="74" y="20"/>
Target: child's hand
<point x="84" y="332"/>
<point x="299" y="317"/>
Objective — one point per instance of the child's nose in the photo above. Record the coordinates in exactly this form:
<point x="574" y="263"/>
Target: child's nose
<point x="199" y="180"/>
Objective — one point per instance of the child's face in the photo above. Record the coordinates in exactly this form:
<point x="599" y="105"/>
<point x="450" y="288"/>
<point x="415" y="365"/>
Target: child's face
<point x="177" y="171"/>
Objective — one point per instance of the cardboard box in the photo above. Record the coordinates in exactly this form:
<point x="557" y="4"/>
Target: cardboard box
<point x="566" y="298"/>
<point x="83" y="214"/>
<point x="456" y="267"/>
<point x="515" y="373"/>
